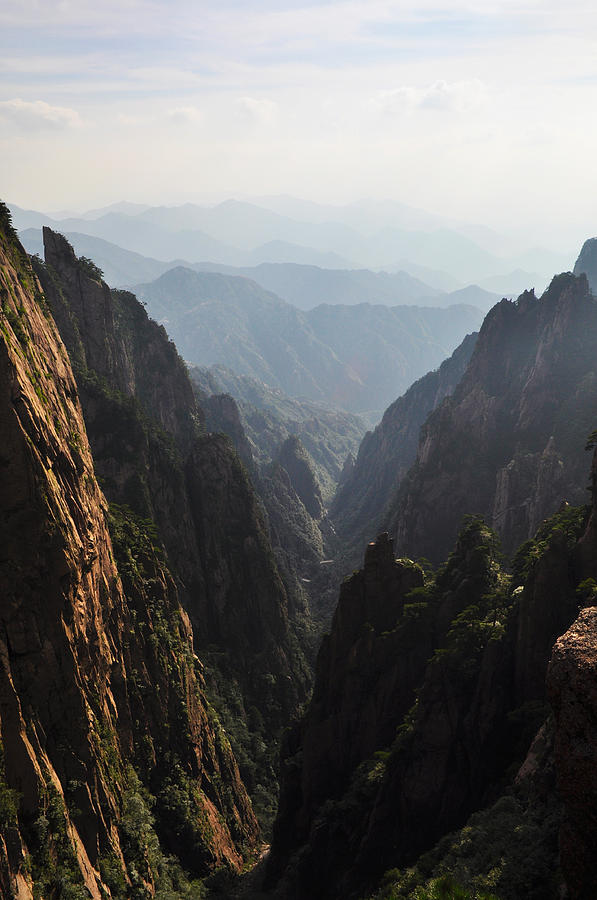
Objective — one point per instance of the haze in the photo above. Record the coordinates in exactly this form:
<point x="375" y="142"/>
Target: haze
<point x="481" y="112"/>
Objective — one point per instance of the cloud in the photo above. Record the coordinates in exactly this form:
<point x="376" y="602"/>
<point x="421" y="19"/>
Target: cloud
<point x="258" y="111"/>
<point x="458" y="96"/>
<point x="184" y="115"/>
<point x="129" y="121"/>
<point x="38" y="115"/>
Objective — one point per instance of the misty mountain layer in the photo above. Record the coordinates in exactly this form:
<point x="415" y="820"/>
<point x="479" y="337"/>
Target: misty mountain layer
<point x="358" y="358"/>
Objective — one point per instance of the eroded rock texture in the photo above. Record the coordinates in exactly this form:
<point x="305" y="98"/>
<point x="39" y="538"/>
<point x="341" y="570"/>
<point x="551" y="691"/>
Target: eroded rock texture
<point x="573" y="693"/>
<point x="427" y="697"/>
<point x="508" y="444"/>
<point x="99" y="685"/>
<point x="153" y="454"/>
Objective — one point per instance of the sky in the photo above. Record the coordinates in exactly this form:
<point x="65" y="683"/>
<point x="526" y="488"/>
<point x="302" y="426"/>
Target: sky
<point x="480" y="111"/>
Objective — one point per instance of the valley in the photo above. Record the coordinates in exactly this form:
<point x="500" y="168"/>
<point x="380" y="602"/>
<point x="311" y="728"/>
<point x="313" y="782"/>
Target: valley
<point x="296" y="556"/>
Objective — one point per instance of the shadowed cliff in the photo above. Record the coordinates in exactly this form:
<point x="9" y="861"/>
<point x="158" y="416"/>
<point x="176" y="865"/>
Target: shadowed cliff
<point x="508" y="444"/>
<point x="103" y="712"/>
<point x="154" y="456"/>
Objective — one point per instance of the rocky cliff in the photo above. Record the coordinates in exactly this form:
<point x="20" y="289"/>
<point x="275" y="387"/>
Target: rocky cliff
<point x="586" y="264"/>
<point x="154" y="456"/>
<point x="508" y="444"/>
<point x="572" y="687"/>
<point x="386" y="454"/>
<point x="269" y="417"/>
<point x="428" y="694"/>
<point x="286" y="478"/>
<point x="295" y="459"/>
<point x="102" y="704"/>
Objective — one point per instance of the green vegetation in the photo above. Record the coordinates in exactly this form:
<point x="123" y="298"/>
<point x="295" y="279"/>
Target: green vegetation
<point x="6" y="222"/>
<point x="149" y="872"/>
<point x="565" y="527"/>
<point x="507" y="851"/>
<point x="9" y="242"/>
<point x="53" y="861"/>
<point x="89" y="268"/>
<point x="255" y="748"/>
<point x="9" y="798"/>
<point x="15" y="320"/>
<point x="167" y="701"/>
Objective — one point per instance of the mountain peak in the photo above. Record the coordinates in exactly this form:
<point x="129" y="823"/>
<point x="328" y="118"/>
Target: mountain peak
<point x="587" y="262"/>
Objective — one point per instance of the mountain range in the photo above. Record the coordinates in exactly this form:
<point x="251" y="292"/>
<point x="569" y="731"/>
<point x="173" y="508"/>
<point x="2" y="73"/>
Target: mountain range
<point x="159" y="583"/>
<point x="239" y="233"/>
<point x="355" y="357"/>
<point x="303" y="285"/>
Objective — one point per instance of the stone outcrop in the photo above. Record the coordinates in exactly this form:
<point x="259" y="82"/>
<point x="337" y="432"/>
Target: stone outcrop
<point x="573" y="693"/>
<point x="586" y="264"/>
<point x="572" y="687"/>
<point x="222" y="415"/>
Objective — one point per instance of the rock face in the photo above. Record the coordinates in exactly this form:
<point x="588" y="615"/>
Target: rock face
<point x="508" y="444"/>
<point x="222" y="414"/>
<point x="572" y="688"/>
<point x="269" y="417"/>
<point x="293" y="530"/>
<point x="100" y="695"/>
<point x="295" y="459"/>
<point x="301" y="537"/>
<point x="386" y="454"/>
<point x="427" y="697"/>
<point x="145" y="429"/>
<point x="587" y="262"/>
<point x="573" y="693"/>
<point x="188" y="493"/>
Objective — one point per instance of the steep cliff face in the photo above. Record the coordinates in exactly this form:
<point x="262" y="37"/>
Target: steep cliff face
<point x="386" y="454"/>
<point x="587" y="262"/>
<point x="572" y="687"/>
<point x="508" y="443"/>
<point x="287" y="480"/>
<point x="98" y="681"/>
<point x="427" y="697"/>
<point x="269" y="417"/>
<point x="295" y="459"/>
<point x="573" y="691"/>
<point x="222" y="415"/>
<point x="294" y="532"/>
<point x="153" y="455"/>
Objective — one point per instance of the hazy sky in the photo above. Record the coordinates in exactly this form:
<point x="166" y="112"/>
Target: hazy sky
<point x="483" y="111"/>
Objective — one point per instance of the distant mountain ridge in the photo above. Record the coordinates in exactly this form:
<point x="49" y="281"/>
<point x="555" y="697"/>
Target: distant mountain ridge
<point x="240" y="233"/>
<point x="305" y="285"/>
<point x="356" y="357"/>
<point x="587" y="263"/>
